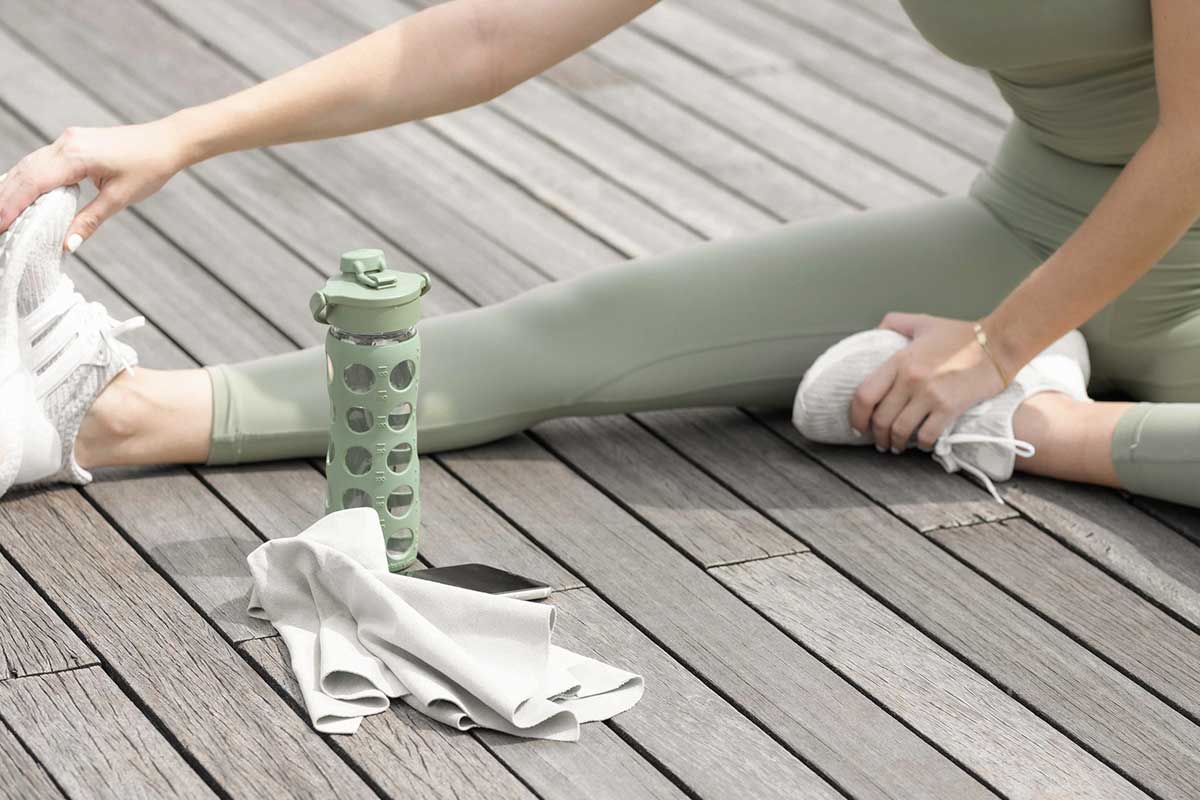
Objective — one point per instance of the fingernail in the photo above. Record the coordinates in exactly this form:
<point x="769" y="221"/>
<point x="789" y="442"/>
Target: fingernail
<point x="855" y="431"/>
<point x="895" y="451"/>
<point x="881" y="448"/>
<point x="73" y="242"/>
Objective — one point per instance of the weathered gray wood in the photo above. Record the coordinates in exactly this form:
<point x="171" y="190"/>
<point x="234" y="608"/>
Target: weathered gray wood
<point x="1159" y="651"/>
<point x="1182" y="518"/>
<point x="447" y="197"/>
<point x="983" y="728"/>
<point x="912" y="486"/>
<point x="681" y="133"/>
<point x="405" y="753"/>
<point x="1145" y="738"/>
<point x="33" y="639"/>
<point x="189" y="534"/>
<point x="93" y="740"/>
<point x="940" y="116"/>
<point x="671" y="495"/>
<point x="756" y="122"/>
<point x="232" y="723"/>
<point x="822" y="105"/>
<point x="1118" y="536"/>
<point x="137" y="49"/>
<point x="22" y="777"/>
<point x="703" y="740"/>
<point x="910" y="56"/>
<point x="838" y="730"/>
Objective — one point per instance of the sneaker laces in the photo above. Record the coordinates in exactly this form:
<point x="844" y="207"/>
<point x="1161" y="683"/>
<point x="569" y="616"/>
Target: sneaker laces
<point x="944" y="449"/>
<point x="52" y="329"/>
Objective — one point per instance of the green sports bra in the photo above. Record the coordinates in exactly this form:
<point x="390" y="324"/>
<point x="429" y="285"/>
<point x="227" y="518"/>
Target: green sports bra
<point x="1080" y="73"/>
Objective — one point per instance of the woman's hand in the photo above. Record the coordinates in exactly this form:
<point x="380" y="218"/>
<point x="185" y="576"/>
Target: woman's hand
<point x="127" y="164"/>
<point x="926" y="386"/>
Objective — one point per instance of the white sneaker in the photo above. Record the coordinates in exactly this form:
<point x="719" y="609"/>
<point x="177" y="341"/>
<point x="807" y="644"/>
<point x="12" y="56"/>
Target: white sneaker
<point x="822" y="408"/>
<point x="57" y="351"/>
<point x="980" y="442"/>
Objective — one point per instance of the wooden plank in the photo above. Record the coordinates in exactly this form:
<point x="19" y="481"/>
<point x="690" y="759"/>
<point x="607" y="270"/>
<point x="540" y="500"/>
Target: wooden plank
<point x="1117" y="536"/>
<point x="21" y="776"/>
<point x="454" y="206"/>
<point x="33" y="639"/>
<point x="671" y="495"/>
<point x="93" y="740"/>
<point x="819" y="103"/>
<point x="910" y="56"/>
<point x="142" y="50"/>
<point x="877" y="84"/>
<point x="685" y="726"/>
<point x="565" y="184"/>
<point x="755" y="122"/>
<point x="680" y="132"/>
<point x="1184" y="519"/>
<point x="912" y="486"/>
<point x="845" y="736"/>
<point x="1157" y="650"/>
<point x="671" y="128"/>
<point x="232" y="724"/>
<point x="406" y="753"/>
<point x="1144" y="738"/>
<point x="980" y="726"/>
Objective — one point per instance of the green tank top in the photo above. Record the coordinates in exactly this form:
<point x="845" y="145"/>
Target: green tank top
<point x="1079" y="73"/>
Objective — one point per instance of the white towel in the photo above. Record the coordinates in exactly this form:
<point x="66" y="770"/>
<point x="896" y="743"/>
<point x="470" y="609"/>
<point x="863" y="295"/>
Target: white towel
<point x="358" y="636"/>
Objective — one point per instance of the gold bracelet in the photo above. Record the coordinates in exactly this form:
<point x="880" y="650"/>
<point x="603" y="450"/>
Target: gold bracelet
<point x="981" y="337"/>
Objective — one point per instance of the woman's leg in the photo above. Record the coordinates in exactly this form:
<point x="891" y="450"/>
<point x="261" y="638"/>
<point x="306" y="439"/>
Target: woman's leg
<point x="733" y="322"/>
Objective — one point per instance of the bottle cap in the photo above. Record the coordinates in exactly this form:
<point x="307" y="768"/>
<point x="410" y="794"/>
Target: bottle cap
<point x="368" y="298"/>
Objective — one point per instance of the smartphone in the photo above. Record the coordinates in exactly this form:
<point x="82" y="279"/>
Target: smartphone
<point x="483" y="578"/>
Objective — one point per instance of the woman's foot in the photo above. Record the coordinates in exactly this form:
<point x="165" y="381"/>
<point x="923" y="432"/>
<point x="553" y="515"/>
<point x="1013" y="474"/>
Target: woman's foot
<point x="983" y="441"/>
<point x="57" y="351"/>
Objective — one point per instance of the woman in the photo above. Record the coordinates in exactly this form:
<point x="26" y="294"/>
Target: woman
<point x="1083" y="220"/>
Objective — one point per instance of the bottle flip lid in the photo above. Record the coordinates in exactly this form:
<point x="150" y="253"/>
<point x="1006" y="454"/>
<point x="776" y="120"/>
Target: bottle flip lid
<point x="366" y="297"/>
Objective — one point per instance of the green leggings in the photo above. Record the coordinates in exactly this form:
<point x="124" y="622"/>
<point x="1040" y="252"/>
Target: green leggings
<point x="737" y="322"/>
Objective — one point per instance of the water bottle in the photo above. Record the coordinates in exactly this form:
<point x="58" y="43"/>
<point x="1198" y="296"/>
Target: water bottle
<point x="373" y="360"/>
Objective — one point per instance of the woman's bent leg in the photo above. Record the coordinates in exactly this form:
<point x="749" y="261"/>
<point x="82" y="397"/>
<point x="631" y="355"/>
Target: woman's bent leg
<point x="733" y="322"/>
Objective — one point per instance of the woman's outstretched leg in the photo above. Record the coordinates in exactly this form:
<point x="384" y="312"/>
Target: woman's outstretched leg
<point x="734" y="322"/>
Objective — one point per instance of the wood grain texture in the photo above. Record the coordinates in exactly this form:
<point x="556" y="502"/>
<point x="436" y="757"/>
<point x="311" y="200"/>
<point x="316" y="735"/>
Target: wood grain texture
<point x="403" y="752"/>
<point x="719" y="100"/>
<point x="909" y="56"/>
<point x="1145" y="738"/>
<point x="819" y="103"/>
<point x="1157" y="649"/>
<point x="673" y="496"/>
<point x="21" y="776"/>
<point x="1118" y="536"/>
<point x="912" y="486"/>
<point x="684" y="725"/>
<point x="231" y="722"/>
<point x="189" y="534"/>
<point x="940" y="116"/>
<point x="93" y="740"/>
<point x="33" y="639"/>
<point x="983" y="728"/>
<point x="842" y="733"/>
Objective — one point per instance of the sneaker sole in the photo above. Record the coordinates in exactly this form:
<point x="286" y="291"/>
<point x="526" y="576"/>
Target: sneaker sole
<point x="16" y="380"/>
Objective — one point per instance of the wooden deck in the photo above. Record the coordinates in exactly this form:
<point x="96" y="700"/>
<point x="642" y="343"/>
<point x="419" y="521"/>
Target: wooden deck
<point x="811" y="622"/>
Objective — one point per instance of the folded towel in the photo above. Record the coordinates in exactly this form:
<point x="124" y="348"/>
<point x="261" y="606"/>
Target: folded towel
<point x="358" y="635"/>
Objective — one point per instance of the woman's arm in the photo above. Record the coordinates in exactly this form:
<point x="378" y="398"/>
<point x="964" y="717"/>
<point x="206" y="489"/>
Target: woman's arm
<point x="447" y="57"/>
<point x="1150" y="205"/>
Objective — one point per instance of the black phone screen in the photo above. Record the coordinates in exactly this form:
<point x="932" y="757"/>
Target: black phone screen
<point x="483" y="578"/>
